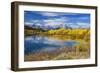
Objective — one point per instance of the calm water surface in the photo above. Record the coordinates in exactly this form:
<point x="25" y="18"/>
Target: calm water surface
<point x="35" y="44"/>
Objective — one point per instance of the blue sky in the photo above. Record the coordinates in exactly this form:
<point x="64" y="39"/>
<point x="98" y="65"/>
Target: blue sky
<point x="55" y="19"/>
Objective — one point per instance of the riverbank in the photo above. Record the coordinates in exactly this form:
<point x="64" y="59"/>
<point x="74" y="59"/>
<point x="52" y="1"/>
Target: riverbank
<point x="60" y="54"/>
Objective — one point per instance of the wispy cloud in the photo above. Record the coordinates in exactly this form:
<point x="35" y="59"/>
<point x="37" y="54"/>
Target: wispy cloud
<point x="49" y="14"/>
<point x="28" y="23"/>
<point x="58" y="22"/>
<point x="83" y="25"/>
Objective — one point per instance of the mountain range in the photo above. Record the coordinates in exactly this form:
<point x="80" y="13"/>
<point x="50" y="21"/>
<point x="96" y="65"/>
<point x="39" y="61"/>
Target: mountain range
<point x="51" y="26"/>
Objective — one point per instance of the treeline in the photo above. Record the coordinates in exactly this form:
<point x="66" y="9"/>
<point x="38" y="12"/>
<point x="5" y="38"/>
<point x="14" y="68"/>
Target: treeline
<point x="69" y="33"/>
<point x="60" y="31"/>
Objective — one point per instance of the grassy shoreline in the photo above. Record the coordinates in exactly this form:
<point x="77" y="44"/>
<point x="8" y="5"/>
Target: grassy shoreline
<point x="61" y="54"/>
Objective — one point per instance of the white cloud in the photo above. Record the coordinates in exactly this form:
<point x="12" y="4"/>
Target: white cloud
<point x="55" y="22"/>
<point x="49" y="14"/>
<point x="83" y="25"/>
<point x="80" y="23"/>
<point x="28" y="23"/>
<point x="56" y="14"/>
<point x="34" y="21"/>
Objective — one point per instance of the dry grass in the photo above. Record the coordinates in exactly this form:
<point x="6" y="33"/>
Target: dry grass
<point x="61" y="54"/>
